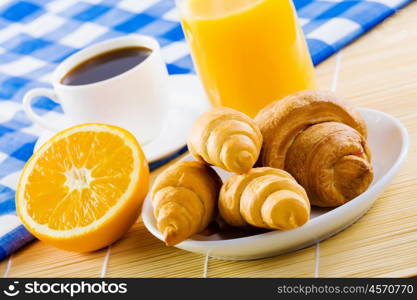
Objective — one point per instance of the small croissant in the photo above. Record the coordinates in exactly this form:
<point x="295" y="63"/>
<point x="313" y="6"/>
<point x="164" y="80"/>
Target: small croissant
<point x="226" y="138"/>
<point x="265" y="198"/>
<point x="184" y="199"/>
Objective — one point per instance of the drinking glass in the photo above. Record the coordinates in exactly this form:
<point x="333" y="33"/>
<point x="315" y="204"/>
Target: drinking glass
<point x="247" y="53"/>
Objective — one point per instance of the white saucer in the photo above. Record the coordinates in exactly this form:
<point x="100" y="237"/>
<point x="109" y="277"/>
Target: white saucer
<point x="389" y="142"/>
<point x="188" y="101"/>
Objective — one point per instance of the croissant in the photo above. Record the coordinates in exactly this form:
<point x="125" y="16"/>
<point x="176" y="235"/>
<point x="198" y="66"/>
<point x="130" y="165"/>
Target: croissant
<point x="226" y="138"/>
<point x="266" y="198"/>
<point x="331" y="161"/>
<point x="184" y="199"/>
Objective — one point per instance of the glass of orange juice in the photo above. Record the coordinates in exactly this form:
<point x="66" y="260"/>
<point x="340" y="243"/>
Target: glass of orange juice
<point x="248" y="53"/>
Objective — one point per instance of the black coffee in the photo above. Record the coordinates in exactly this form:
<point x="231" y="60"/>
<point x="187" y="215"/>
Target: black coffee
<point x="106" y="65"/>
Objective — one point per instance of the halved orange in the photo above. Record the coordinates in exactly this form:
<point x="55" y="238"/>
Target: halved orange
<point x="84" y="188"/>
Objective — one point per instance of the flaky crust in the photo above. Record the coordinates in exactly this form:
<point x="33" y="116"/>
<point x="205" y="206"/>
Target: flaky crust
<point x="321" y="141"/>
<point x="226" y="138"/>
<point x="281" y="121"/>
<point x="184" y="199"/>
<point x="332" y="161"/>
<point x="266" y="198"/>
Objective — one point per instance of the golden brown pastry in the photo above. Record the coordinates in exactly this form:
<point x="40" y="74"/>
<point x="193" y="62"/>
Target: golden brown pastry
<point x="281" y="121"/>
<point x="331" y="161"/>
<point x="266" y="198"/>
<point x="184" y="199"/>
<point x="226" y="138"/>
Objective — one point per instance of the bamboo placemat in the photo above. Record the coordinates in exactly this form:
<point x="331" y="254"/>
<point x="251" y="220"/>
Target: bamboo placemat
<point x="377" y="71"/>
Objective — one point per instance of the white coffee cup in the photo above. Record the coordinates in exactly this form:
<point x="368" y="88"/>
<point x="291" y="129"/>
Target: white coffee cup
<point x="135" y="100"/>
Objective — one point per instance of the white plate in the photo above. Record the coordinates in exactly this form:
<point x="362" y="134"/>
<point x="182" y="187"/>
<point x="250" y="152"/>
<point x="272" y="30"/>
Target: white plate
<point x="187" y="102"/>
<point x="389" y="142"/>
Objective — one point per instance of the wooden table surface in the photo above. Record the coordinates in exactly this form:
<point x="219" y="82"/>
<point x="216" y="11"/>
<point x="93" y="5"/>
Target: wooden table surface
<point x="378" y="71"/>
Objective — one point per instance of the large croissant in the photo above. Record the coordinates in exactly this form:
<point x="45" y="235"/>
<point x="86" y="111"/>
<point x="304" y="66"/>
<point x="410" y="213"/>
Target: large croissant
<point x="184" y="199"/>
<point x="226" y="138"/>
<point x="266" y="198"/>
<point x="331" y="161"/>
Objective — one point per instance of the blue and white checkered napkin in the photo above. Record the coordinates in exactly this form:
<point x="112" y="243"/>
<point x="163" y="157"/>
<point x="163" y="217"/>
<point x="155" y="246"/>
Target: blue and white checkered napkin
<point x="35" y="35"/>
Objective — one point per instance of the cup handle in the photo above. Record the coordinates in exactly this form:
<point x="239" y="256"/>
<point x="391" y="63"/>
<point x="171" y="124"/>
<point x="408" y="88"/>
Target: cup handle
<point x="27" y="106"/>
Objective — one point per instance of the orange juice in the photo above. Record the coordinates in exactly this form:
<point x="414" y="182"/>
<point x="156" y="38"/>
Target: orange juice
<point x="248" y="53"/>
